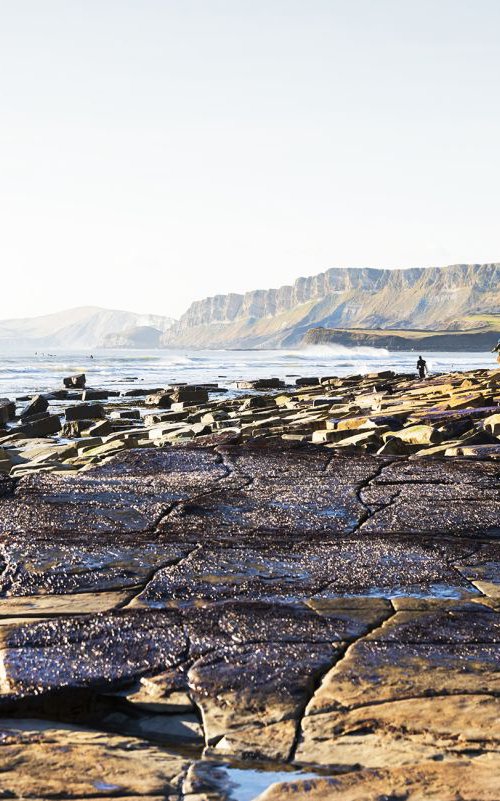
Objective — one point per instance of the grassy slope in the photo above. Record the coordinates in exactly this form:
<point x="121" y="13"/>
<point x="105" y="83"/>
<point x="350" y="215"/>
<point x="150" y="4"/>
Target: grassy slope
<point x="479" y="339"/>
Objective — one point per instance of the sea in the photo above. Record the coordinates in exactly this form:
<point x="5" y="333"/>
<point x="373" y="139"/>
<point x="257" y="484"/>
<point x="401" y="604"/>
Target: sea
<point x="27" y="372"/>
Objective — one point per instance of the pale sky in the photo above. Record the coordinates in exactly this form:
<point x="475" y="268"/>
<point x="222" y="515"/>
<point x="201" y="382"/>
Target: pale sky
<point x="153" y="152"/>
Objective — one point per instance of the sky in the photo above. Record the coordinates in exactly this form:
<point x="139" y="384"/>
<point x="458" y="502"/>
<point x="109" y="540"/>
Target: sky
<point x="155" y="152"/>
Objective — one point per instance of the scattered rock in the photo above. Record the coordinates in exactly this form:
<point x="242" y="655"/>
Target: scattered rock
<point x="45" y="426"/>
<point x="37" y="404"/>
<point x="307" y="382"/>
<point x="95" y="394"/>
<point x="84" y="411"/>
<point x="7" y="410"/>
<point x="161" y="399"/>
<point x="260" y="383"/>
<point x="75" y="381"/>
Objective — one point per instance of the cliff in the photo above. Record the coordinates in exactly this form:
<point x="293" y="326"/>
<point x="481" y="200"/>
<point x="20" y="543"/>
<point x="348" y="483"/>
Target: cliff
<point x="459" y="297"/>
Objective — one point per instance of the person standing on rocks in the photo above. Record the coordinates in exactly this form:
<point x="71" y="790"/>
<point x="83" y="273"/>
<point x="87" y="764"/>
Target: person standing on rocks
<point x="496" y="350"/>
<point x="422" y="367"/>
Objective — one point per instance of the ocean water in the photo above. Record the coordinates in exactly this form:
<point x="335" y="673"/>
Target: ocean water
<point x="26" y="372"/>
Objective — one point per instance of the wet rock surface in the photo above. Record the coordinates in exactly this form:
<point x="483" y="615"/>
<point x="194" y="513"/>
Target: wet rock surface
<point x="45" y="759"/>
<point x="176" y="618"/>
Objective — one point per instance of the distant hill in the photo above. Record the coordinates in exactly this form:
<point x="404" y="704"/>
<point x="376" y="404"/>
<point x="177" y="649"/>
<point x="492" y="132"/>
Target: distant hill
<point x="140" y="336"/>
<point x="82" y="327"/>
<point x="460" y="297"/>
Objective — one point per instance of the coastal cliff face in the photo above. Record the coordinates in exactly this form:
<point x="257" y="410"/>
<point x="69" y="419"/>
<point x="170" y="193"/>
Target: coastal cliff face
<point x="451" y="298"/>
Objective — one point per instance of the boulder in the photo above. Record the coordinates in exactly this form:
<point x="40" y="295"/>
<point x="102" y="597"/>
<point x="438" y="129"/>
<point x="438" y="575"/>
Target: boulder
<point x="139" y="393"/>
<point x="84" y="411"/>
<point x="211" y="417"/>
<point x="200" y="429"/>
<point x="95" y="394"/>
<point x="43" y="427"/>
<point x="100" y="429"/>
<point x="190" y="394"/>
<point x="163" y="417"/>
<point x="77" y="381"/>
<point x="256" y="402"/>
<point x="59" y="394"/>
<point x="492" y="424"/>
<point x="363" y="439"/>
<point x="50" y="452"/>
<point x="397" y="447"/>
<point x="381" y="374"/>
<point x="64" y="394"/>
<point x="480" y="437"/>
<point x="325" y="435"/>
<point x="416" y="435"/>
<point x="351" y="422"/>
<point x="261" y="383"/>
<point x="7" y="410"/>
<point x="161" y="399"/>
<point x="76" y="428"/>
<point x="467" y="401"/>
<point x="307" y="382"/>
<point x="37" y="405"/>
<point x="125" y="414"/>
<point x="476" y="451"/>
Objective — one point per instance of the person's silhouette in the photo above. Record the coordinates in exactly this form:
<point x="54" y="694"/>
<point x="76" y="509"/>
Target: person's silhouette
<point x="421" y="367"/>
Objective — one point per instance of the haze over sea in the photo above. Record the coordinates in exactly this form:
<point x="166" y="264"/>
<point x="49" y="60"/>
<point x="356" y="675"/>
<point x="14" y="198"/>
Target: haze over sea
<point x="25" y="372"/>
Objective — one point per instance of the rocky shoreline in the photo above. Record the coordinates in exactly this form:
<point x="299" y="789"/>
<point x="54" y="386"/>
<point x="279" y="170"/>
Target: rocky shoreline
<point x="279" y="591"/>
<point x="382" y="413"/>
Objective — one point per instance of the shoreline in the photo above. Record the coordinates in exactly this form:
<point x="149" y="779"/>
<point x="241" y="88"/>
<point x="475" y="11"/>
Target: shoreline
<point x="381" y="413"/>
<point x="297" y="585"/>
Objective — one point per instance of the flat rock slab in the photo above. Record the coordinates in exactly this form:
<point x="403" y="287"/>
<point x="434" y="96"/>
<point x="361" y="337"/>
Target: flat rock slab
<point x="243" y="622"/>
<point x="196" y="493"/>
<point x="435" y="652"/>
<point x="298" y="571"/>
<point x="402" y="732"/>
<point x="467" y="780"/>
<point x="255" y="688"/>
<point x="438" y="496"/>
<point x="35" y="564"/>
<point x="440" y="471"/>
<point x="436" y="513"/>
<point x="88" y="651"/>
<point x="289" y="493"/>
<point x="434" y="672"/>
<point x="278" y="604"/>
<point x="483" y="569"/>
<point x="130" y="494"/>
<point x="48" y="605"/>
<point x="46" y="760"/>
